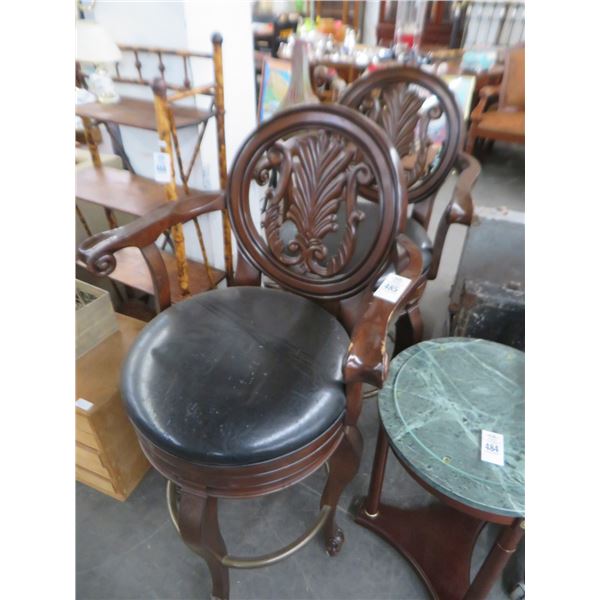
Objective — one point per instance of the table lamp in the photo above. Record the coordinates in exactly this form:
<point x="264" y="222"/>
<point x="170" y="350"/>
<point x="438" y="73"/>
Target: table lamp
<point x="94" y="46"/>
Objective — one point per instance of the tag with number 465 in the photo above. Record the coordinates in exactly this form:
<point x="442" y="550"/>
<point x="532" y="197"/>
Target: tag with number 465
<point x="392" y="287"/>
<point x="492" y="447"/>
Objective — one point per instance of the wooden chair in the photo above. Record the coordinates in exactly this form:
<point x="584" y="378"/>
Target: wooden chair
<point x="500" y="114"/>
<point x="406" y="103"/>
<point x="244" y="391"/>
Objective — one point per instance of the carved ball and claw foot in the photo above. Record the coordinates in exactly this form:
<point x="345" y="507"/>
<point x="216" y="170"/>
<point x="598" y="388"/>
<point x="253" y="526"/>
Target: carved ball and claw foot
<point x="334" y="543"/>
<point x="343" y="467"/>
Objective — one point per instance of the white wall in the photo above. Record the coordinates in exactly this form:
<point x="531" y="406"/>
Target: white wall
<point x="190" y="25"/>
<point x="233" y="21"/>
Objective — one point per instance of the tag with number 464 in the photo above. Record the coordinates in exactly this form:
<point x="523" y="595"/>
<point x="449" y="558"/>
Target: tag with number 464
<point x="162" y="167"/>
<point x="492" y="447"/>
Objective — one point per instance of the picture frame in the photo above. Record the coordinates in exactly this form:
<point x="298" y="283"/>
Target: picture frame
<point x="275" y="80"/>
<point x="463" y="88"/>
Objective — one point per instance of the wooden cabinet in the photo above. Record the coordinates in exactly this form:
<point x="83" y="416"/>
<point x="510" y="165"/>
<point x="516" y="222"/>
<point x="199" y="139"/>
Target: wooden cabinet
<point x="108" y="456"/>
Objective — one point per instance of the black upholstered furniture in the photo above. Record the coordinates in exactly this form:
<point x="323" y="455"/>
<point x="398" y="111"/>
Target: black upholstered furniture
<point x="235" y="376"/>
<point x="244" y="391"/>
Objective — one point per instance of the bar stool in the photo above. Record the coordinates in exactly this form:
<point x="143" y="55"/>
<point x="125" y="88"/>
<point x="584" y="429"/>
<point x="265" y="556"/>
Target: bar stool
<point x="244" y="391"/>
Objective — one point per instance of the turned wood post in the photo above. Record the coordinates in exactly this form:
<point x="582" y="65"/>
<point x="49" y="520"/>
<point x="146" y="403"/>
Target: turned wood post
<point x="501" y="552"/>
<point x="93" y="148"/>
<point x="371" y="506"/>
<point x="90" y="141"/>
<point x="217" y="41"/>
<point x="161" y="108"/>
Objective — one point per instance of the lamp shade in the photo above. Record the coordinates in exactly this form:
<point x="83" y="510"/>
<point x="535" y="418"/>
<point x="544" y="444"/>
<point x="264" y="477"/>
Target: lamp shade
<point x="94" y="45"/>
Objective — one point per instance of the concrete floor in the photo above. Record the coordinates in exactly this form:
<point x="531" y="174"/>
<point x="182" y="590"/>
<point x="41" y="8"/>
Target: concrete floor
<point x="130" y="550"/>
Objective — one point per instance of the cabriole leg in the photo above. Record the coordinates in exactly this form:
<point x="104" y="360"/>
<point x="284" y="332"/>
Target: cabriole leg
<point x="199" y="528"/>
<point x="343" y="467"/>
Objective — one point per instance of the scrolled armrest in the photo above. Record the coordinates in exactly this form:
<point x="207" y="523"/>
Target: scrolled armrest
<point x="97" y="252"/>
<point x="460" y="208"/>
<point x="489" y="91"/>
<point x="367" y="360"/>
<point x="487" y="94"/>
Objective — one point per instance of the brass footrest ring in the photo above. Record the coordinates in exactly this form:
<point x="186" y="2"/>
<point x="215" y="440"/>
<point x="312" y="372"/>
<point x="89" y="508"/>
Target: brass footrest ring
<point x="172" y="504"/>
<point x="259" y="561"/>
<point x="274" y="557"/>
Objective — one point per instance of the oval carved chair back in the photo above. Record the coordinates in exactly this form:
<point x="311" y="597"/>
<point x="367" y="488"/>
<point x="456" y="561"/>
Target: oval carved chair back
<point x="302" y="170"/>
<point x="409" y="104"/>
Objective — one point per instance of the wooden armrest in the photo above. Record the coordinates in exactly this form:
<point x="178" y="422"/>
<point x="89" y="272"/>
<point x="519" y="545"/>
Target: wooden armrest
<point x="489" y="91"/>
<point x="97" y="252"/>
<point x="367" y="360"/>
<point x="487" y="94"/>
<point x="459" y="209"/>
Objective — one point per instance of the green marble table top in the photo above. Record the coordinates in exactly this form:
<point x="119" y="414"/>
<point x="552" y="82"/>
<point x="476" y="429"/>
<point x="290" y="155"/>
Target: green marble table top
<point x="438" y="397"/>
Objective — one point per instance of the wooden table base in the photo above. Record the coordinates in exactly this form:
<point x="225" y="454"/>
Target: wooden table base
<point x="437" y="540"/>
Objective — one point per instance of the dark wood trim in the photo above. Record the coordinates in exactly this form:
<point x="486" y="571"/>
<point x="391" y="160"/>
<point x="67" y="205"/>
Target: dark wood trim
<point x="387" y="79"/>
<point x="437" y="540"/>
<point x="245" y="481"/>
<point x="374" y="145"/>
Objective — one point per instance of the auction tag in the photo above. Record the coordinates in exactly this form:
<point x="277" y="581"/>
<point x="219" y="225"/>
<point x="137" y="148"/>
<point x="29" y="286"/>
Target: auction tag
<point x="492" y="447"/>
<point x="392" y="288"/>
<point x="83" y="404"/>
<point x="162" y="170"/>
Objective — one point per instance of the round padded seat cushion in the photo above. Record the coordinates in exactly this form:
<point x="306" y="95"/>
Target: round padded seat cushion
<point x="236" y="376"/>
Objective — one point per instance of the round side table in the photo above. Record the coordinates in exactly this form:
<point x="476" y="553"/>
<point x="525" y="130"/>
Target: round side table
<point x="439" y="396"/>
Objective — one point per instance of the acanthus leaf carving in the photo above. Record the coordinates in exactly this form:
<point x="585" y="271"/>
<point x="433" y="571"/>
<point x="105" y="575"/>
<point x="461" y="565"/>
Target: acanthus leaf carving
<point x="315" y="174"/>
<point x="397" y="109"/>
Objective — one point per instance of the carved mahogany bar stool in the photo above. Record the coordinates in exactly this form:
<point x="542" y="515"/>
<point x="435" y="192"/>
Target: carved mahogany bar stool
<point x="420" y="115"/>
<point x="244" y="391"/>
<point x="439" y="397"/>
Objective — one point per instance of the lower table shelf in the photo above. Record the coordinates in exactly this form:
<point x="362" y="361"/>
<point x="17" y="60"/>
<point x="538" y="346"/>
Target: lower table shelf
<point x="437" y="540"/>
<point x="118" y="189"/>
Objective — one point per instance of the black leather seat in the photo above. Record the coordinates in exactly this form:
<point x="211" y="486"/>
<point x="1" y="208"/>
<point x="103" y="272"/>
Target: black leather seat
<point x="237" y="376"/>
<point x="418" y="234"/>
<point x="368" y="231"/>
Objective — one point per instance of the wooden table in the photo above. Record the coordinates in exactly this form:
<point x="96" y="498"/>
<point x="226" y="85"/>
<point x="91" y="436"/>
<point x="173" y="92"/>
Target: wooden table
<point x="108" y="456"/>
<point x="439" y="396"/>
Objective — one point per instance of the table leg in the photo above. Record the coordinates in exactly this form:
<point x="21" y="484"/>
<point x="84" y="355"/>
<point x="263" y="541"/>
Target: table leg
<point x="504" y="547"/>
<point x="437" y="540"/>
<point x="371" y="505"/>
